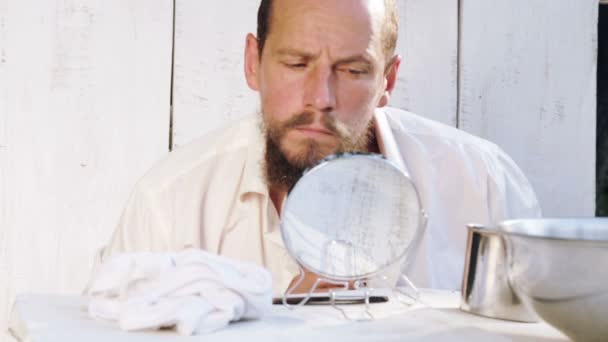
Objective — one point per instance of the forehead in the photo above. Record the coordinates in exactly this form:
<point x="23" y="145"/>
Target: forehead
<point x="344" y="26"/>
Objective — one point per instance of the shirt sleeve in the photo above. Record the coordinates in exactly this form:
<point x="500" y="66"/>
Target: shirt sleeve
<point x="141" y="226"/>
<point x="510" y="194"/>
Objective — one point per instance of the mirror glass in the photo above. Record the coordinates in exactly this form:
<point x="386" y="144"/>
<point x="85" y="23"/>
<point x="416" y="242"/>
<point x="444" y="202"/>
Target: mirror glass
<point x="351" y="216"/>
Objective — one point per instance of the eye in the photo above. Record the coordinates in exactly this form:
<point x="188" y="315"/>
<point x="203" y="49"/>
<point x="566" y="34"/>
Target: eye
<point x="356" y="71"/>
<point x="295" y="65"/>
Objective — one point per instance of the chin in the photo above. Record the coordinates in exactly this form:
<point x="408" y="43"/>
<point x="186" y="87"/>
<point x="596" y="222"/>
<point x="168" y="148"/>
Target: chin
<point x="308" y="153"/>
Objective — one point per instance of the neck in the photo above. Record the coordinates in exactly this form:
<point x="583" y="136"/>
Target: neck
<point x="277" y="196"/>
<point x="372" y="146"/>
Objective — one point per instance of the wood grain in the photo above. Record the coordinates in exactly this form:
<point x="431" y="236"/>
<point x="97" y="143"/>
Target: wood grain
<point x="209" y="88"/>
<point x="84" y="111"/>
<point x="528" y="79"/>
<point x="428" y="43"/>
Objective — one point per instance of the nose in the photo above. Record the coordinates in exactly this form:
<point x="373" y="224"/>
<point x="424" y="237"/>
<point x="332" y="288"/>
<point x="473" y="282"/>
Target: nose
<point x="320" y="89"/>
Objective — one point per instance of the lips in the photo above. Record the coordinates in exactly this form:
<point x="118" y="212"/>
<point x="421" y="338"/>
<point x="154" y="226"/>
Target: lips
<point x="314" y="130"/>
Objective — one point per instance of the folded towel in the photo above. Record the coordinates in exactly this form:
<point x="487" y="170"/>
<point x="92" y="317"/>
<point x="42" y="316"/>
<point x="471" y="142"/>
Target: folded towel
<point x="195" y="291"/>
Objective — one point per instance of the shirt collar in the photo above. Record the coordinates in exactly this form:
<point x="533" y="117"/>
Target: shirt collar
<point x="386" y="141"/>
<point x="253" y="177"/>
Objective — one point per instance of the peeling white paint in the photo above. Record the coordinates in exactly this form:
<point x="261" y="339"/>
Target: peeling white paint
<point x="83" y="113"/>
<point x="528" y="84"/>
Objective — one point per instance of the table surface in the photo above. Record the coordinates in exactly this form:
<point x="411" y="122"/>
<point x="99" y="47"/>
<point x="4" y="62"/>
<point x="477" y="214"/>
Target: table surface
<point x="52" y="318"/>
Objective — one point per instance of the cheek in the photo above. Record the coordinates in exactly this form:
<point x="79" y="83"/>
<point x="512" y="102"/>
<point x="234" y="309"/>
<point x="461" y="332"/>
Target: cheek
<point x="280" y="96"/>
<point x="357" y="104"/>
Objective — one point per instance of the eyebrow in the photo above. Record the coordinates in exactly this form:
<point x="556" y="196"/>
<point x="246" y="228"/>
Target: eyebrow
<point x="359" y="58"/>
<point x="294" y="53"/>
<point x="354" y="59"/>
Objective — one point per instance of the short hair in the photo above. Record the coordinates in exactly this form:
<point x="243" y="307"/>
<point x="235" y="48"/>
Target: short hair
<point x="390" y="26"/>
<point x="264" y="14"/>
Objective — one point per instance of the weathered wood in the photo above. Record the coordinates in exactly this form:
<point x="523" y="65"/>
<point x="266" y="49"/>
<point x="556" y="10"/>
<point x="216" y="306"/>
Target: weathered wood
<point x="528" y="78"/>
<point x="209" y="85"/>
<point x="84" y="111"/>
<point x="428" y="44"/>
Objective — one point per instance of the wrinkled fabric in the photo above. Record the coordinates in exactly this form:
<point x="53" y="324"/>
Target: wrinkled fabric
<point x="193" y="290"/>
<point x="211" y="194"/>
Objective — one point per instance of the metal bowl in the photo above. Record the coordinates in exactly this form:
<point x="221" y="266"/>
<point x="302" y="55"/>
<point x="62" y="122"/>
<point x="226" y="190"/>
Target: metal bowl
<point x="559" y="268"/>
<point x="485" y="288"/>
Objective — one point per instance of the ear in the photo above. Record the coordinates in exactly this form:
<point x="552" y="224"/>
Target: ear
<point x="252" y="62"/>
<point x="390" y="79"/>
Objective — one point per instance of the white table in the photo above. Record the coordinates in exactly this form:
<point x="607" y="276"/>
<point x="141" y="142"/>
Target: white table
<point x="47" y="318"/>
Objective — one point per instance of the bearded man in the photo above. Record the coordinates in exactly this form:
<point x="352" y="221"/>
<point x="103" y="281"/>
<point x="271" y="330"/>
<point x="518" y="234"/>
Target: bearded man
<point x="325" y="70"/>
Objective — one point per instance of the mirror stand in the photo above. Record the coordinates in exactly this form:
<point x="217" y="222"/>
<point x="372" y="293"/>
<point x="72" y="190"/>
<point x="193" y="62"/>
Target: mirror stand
<point x="348" y="220"/>
<point x="305" y="299"/>
<point x="407" y="296"/>
<point x="368" y="313"/>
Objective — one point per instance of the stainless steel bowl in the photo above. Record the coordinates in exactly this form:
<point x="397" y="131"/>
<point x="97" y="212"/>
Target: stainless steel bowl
<point x="485" y="289"/>
<point x="559" y="268"/>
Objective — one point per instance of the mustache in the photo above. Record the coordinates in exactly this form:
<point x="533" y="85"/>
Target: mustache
<point x="307" y="118"/>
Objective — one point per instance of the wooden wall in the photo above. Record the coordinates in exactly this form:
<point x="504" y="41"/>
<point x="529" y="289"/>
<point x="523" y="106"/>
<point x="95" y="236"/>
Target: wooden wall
<point x="85" y="90"/>
<point x="84" y="111"/>
<point x="209" y="86"/>
<point x="527" y="82"/>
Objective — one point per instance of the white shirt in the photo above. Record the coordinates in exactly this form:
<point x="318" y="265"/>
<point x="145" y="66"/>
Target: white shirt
<point x="211" y="194"/>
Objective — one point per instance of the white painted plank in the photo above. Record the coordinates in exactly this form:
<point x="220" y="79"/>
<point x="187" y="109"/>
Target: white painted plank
<point x="5" y="288"/>
<point x="84" y="111"/>
<point x="428" y="44"/>
<point x="528" y="83"/>
<point x="210" y="88"/>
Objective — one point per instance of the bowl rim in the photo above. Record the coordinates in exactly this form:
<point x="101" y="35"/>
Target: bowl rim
<point x="571" y="228"/>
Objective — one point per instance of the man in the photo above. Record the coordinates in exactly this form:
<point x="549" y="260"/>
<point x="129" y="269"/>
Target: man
<point x="324" y="70"/>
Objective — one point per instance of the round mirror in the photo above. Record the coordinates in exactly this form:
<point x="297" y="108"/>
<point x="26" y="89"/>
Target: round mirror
<point x="351" y="216"/>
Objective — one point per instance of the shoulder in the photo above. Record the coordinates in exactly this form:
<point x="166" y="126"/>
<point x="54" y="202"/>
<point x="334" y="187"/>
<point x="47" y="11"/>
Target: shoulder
<point x="228" y="144"/>
<point x="452" y="151"/>
<point x="442" y="136"/>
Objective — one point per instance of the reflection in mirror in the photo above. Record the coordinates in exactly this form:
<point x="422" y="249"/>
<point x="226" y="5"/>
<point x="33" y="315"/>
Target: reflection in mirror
<point x="350" y="218"/>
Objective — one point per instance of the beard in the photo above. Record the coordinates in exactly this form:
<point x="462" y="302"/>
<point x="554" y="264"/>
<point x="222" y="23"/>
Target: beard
<point x="282" y="169"/>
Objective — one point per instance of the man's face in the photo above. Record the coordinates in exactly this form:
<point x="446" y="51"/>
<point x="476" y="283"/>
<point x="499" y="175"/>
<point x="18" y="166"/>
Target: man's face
<point x="321" y="74"/>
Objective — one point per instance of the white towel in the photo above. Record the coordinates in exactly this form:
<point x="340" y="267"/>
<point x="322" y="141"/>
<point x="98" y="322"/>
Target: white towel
<point x="195" y="291"/>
